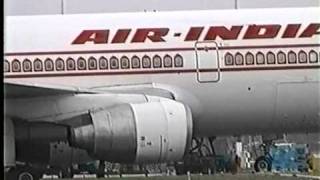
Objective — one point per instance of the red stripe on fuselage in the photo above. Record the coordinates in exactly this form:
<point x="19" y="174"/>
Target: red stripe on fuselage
<point x="157" y="50"/>
<point x="121" y="72"/>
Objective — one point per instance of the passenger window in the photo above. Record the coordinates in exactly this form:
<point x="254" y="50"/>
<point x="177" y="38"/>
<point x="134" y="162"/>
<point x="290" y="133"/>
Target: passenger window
<point x="260" y="58"/>
<point x="48" y="64"/>
<point x="6" y="66"/>
<point x="313" y="58"/>
<point x="271" y="58"/>
<point x="135" y="62"/>
<point x="228" y="59"/>
<point x="59" y="64"/>
<point x="292" y="57"/>
<point x="114" y="63"/>
<point x="249" y="59"/>
<point x="92" y="63"/>
<point x="239" y="59"/>
<point x="71" y="64"/>
<point x="16" y="66"/>
<point x="281" y="58"/>
<point x="125" y="64"/>
<point x="146" y="62"/>
<point x="27" y="65"/>
<point x="167" y="61"/>
<point x="157" y="61"/>
<point x="81" y="63"/>
<point x="103" y="63"/>
<point x="302" y="56"/>
<point x="178" y="61"/>
<point x="37" y="65"/>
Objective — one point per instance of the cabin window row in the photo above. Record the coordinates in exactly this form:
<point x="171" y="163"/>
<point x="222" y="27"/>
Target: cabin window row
<point x="271" y="58"/>
<point x="93" y="63"/>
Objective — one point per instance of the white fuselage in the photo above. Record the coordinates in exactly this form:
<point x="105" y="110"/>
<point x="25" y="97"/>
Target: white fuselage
<point x="276" y="92"/>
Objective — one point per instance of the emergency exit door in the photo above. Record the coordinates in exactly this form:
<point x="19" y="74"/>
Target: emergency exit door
<point x="207" y="61"/>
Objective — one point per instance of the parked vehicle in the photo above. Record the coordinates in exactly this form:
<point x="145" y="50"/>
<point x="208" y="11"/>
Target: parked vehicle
<point x="284" y="157"/>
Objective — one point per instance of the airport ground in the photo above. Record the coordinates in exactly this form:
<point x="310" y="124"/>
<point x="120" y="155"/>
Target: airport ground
<point x="241" y="176"/>
<point x="223" y="145"/>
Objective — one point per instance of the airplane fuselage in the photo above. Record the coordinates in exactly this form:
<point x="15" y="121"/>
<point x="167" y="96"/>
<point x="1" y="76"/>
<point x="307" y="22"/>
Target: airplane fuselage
<point x="254" y="72"/>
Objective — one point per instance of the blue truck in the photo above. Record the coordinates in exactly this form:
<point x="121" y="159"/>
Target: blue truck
<point x="285" y="157"/>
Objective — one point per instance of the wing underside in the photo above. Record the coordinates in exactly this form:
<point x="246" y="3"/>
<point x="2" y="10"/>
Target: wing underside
<point x="27" y="90"/>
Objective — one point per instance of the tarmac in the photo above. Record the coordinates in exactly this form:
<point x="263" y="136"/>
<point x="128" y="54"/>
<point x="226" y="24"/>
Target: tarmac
<point x="241" y="176"/>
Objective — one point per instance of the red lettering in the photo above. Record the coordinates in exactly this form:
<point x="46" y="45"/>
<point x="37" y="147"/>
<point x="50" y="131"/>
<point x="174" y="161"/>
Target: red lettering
<point x="96" y="36"/>
<point x="153" y="34"/>
<point x="262" y="31"/>
<point x="291" y="31"/>
<point x="311" y="30"/>
<point x="194" y="34"/>
<point x="223" y="32"/>
<point x="121" y="36"/>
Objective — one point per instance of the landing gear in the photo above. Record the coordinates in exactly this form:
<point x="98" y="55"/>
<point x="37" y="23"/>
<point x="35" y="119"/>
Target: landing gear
<point x="67" y="173"/>
<point x="23" y="173"/>
<point x="200" y="159"/>
<point x="101" y="169"/>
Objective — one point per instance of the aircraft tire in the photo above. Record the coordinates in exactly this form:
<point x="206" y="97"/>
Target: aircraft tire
<point x="23" y="173"/>
<point x="67" y="173"/>
<point x="180" y="169"/>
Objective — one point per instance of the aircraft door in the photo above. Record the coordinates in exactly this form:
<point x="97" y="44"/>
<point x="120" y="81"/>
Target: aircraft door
<point x="207" y="61"/>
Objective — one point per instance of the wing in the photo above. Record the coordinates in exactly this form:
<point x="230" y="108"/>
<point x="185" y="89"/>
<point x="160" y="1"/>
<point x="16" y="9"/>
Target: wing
<point x="19" y="95"/>
<point x="24" y="90"/>
<point x="151" y="89"/>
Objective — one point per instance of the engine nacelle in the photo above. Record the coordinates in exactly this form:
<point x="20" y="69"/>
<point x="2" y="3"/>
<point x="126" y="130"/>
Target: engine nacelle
<point x="147" y="132"/>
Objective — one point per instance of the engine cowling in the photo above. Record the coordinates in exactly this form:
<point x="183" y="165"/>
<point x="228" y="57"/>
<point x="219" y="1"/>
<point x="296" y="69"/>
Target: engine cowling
<point x="148" y="132"/>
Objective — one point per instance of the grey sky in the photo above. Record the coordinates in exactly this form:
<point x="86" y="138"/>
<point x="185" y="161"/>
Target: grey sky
<point x="31" y="7"/>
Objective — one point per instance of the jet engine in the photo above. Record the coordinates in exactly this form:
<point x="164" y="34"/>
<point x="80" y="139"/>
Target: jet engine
<point x="148" y="132"/>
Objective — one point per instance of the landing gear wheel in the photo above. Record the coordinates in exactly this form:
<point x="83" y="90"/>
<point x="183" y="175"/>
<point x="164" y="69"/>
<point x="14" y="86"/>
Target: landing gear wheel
<point x="262" y="164"/>
<point x="67" y="173"/>
<point x="25" y="176"/>
<point x="23" y="173"/>
<point x="178" y="166"/>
